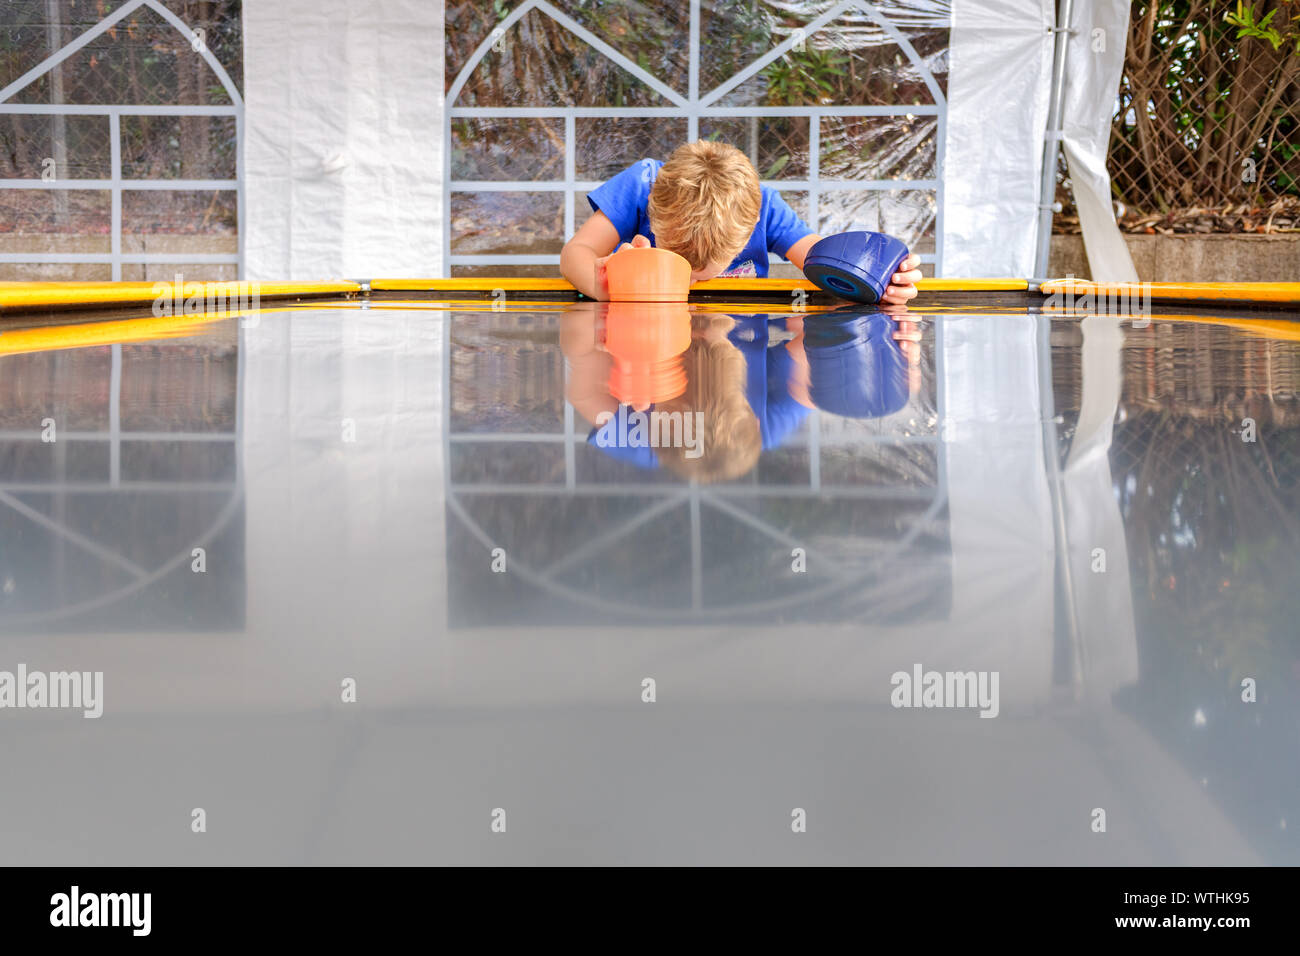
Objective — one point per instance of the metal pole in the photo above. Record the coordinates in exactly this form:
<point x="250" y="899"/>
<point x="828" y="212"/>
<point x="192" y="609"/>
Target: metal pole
<point x="59" y="123"/>
<point x="1052" y="138"/>
<point x="1060" y="526"/>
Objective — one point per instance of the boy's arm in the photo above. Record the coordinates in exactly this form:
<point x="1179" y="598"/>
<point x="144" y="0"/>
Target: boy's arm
<point x="582" y="261"/>
<point x="799" y="251"/>
<point x="902" y="285"/>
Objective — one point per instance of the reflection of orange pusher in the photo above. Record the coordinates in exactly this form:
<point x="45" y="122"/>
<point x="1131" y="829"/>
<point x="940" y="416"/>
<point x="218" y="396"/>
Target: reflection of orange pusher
<point x="648" y="325"/>
<point x="646" y="341"/>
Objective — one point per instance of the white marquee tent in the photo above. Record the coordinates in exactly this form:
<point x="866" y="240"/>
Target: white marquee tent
<point x="347" y="127"/>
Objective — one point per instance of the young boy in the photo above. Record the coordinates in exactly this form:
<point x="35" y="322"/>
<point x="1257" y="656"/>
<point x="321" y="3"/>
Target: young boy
<point x="705" y="204"/>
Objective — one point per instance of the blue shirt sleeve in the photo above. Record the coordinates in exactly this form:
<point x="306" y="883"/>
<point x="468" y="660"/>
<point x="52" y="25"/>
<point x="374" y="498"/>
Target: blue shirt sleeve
<point x="625" y="197"/>
<point x="783" y="226"/>
<point x="784" y="413"/>
<point x="604" y="437"/>
<point x="767" y="372"/>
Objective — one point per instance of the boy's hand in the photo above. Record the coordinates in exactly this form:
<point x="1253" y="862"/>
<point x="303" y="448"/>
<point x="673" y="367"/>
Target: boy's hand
<point x="602" y="280"/>
<point x="902" y="287"/>
<point x="907" y="333"/>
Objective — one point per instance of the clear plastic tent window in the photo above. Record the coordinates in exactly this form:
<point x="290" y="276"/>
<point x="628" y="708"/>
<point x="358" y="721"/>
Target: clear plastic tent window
<point x="120" y="136"/>
<point x="840" y="105"/>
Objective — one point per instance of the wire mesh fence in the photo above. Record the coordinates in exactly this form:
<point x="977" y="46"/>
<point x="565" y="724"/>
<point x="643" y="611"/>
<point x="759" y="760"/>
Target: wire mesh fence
<point x="1206" y="132"/>
<point x="103" y="101"/>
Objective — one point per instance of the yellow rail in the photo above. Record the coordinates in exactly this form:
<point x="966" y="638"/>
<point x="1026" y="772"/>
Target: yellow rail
<point x="200" y="296"/>
<point x="488" y="284"/>
<point x="1277" y="292"/>
<point x="74" y="335"/>
<point x="1281" y="330"/>
<point x="89" y="334"/>
<point x="20" y="296"/>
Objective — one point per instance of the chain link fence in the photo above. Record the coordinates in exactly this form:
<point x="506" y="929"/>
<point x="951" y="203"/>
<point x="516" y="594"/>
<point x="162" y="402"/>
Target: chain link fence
<point x="1206" y="132"/>
<point x="140" y="89"/>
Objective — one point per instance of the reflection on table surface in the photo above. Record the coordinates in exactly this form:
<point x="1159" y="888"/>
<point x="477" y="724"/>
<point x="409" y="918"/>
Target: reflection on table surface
<point x="500" y="523"/>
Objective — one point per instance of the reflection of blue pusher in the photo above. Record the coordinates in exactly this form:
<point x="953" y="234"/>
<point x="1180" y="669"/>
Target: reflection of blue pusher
<point x="855" y="367"/>
<point x="855" y="265"/>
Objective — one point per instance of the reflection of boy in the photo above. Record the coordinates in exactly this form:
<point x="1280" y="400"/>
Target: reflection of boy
<point x="854" y="364"/>
<point x="770" y="366"/>
<point x="729" y="444"/>
<point x="755" y="379"/>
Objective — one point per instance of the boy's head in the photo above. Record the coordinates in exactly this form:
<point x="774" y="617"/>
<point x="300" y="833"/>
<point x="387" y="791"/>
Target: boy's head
<point x="704" y="205"/>
<point x="730" y="440"/>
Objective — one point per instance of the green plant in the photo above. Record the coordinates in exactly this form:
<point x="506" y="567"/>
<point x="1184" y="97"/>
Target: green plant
<point x="1208" y="110"/>
<point x="1249" y="24"/>
<point x="804" y="78"/>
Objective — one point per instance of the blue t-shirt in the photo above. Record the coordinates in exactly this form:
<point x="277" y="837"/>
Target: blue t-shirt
<point x="768" y="370"/>
<point x="767" y="387"/>
<point x="625" y="197"/>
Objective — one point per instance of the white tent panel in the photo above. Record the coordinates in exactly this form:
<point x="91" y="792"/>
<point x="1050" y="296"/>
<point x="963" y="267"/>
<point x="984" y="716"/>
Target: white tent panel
<point x="343" y="156"/>
<point x="1095" y="60"/>
<point x="998" y="86"/>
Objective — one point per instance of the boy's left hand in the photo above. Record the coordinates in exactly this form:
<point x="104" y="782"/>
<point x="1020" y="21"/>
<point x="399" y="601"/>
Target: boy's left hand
<point x="902" y="287"/>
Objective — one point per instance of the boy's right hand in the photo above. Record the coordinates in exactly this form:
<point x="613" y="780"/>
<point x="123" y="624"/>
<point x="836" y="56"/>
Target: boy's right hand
<point x="602" y="280"/>
<point x="907" y="333"/>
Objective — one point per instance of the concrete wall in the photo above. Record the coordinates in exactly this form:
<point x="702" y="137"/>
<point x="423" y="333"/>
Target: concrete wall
<point x="1158" y="258"/>
<point x="37" y="244"/>
<point x="1193" y="258"/>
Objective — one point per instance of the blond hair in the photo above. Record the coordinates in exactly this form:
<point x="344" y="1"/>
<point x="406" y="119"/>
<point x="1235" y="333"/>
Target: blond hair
<point x="705" y="203"/>
<point x="715" y="377"/>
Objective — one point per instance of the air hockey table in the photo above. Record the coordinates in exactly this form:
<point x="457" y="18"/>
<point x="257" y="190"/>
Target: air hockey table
<point x="361" y="563"/>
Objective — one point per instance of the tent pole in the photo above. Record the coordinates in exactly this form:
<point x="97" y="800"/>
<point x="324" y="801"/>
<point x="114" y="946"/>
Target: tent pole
<point x="1052" y="138"/>
<point x="58" y="122"/>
